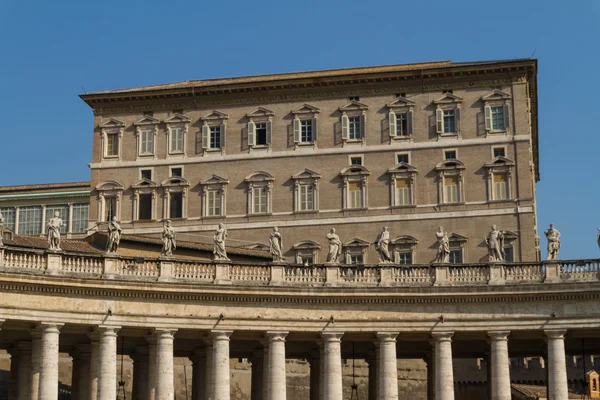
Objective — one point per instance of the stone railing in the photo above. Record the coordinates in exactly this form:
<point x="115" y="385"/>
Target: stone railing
<point x="281" y="274"/>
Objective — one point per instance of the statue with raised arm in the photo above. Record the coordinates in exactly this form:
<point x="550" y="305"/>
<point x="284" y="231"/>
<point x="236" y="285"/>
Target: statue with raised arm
<point x="276" y="245"/>
<point x="335" y="247"/>
<point x="495" y="244"/>
<point x="168" y="239"/>
<point x="219" y="251"/>
<point x="114" y="236"/>
<point x="553" y="236"/>
<point x="382" y="244"/>
<point x="443" y="252"/>
<point x="54" y="225"/>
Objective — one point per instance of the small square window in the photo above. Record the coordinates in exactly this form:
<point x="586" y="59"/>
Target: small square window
<point x="147" y="174"/>
<point x="354" y="98"/>
<point x="399" y="95"/>
<point x="499" y="152"/>
<point x="448" y="91"/>
<point x="355" y="259"/>
<point x="356" y="160"/>
<point x="456" y="256"/>
<point x="402" y="158"/>
<point x="405" y="258"/>
<point x="450" y="155"/>
<point x="176" y="172"/>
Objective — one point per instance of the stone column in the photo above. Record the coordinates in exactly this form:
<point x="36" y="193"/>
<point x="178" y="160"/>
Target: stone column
<point x="321" y="344"/>
<point x="152" y="367"/>
<point x="333" y="365"/>
<point x="36" y="350"/>
<point x="429" y="360"/>
<point x="221" y="382"/>
<point x="140" y="373"/>
<point x="75" y="366"/>
<point x="165" y="388"/>
<point x="372" y="362"/>
<point x="13" y="377"/>
<point x="557" y="366"/>
<point x="315" y="374"/>
<point x="94" y="365"/>
<point x="277" y="387"/>
<point x="210" y="378"/>
<point x="258" y="372"/>
<point x="265" y="375"/>
<point x="444" y="377"/>
<point x="199" y="374"/>
<point x="24" y="371"/>
<point x="500" y="382"/>
<point x="84" y="352"/>
<point x="48" y="386"/>
<point x="107" y="367"/>
<point x="388" y="366"/>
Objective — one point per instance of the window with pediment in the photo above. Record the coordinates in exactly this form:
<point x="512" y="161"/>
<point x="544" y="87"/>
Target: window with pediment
<point x="306" y="252"/>
<point x="402" y="184"/>
<point x="499" y="177"/>
<point x="496" y="109"/>
<point x="260" y="185"/>
<point x="213" y="133"/>
<point x="146" y="130"/>
<point x="109" y="200"/>
<point x="400" y="119"/>
<point x="355" y="251"/>
<point x="508" y="248"/>
<point x="213" y="196"/>
<point x="260" y="128"/>
<point x="144" y="199"/>
<point x="175" y="197"/>
<point x="306" y="193"/>
<point x="354" y="122"/>
<point x="354" y="191"/>
<point x="404" y="249"/>
<point x="305" y="125"/>
<point x="112" y="136"/>
<point x="448" y="115"/>
<point x="177" y="127"/>
<point x="457" y="248"/>
<point x="451" y="181"/>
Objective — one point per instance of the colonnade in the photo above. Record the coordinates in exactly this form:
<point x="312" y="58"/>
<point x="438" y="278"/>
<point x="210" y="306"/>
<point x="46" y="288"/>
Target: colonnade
<point x="34" y="366"/>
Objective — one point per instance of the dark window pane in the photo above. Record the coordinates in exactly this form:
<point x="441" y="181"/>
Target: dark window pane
<point x="145" y="206"/>
<point x="176" y="206"/>
<point x="147" y="174"/>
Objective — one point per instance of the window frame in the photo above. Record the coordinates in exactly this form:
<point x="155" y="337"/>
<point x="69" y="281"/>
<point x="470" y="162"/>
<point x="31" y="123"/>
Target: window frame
<point x="451" y="168"/>
<point x="259" y="180"/>
<point x="354" y="109"/>
<point x="402" y="153"/>
<point x="504" y="166"/>
<point x="306" y="177"/>
<point x="305" y="113"/>
<point x="150" y="124"/>
<point x="404" y="244"/>
<point x="74" y="220"/>
<point x="177" y="121"/>
<point x="203" y="137"/>
<point x="214" y="184"/>
<point x="355" y="174"/>
<point x="145" y="187"/>
<point x="31" y="222"/>
<point x="306" y="248"/>
<point x="355" y="247"/>
<point x="112" y="127"/>
<point x="402" y="171"/>
<point x="497" y="99"/>
<point x="457" y="243"/>
<point x="108" y="189"/>
<point x="260" y="116"/>
<point x="400" y="105"/>
<point x="169" y="187"/>
<point x="448" y="102"/>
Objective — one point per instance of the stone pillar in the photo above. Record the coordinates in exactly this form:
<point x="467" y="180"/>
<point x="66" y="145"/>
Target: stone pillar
<point x="388" y="366"/>
<point x="48" y="386"/>
<point x="557" y="366"/>
<point x="210" y="377"/>
<point x="429" y="360"/>
<point x="265" y="375"/>
<point x="199" y="374"/>
<point x="372" y="362"/>
<point x="152" y="367"/>
<point x="13" y="377"/>
<point x="315" y="374"/>
<point x="258" y="372"/>
<point x="140" y="373"/>
<point x="165" y="388"/>
<point x="36" y="349"/>
<point x="333" y="365"/>
<point x="94" y="365"/>
<point x="321" y="345"/>
<point x="500" y="382"/>
<point x="84" y="352"/>
<point x="24" y="371"/>
<point x="444" y="376"/>
<point x="75" y="366"/>
<point x="107" y="367"/>
<point x="277" y="387"/>
<point x="221" y="382"/>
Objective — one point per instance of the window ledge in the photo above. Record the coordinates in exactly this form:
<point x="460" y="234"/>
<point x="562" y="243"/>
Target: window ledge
<point x="111" y="157"/>
<point x="356" y="209"/>
<point x="401" y="138"/>
<point x="213" y="216"/>
<point x="306" y="212"/>
<point x="298" y="145"/>
<point x="215" y="150"/>
<point x="501" y="201"/>
<point x="497" y="132"/>
<point x="145" y="221"/>
<point x="361" y="141"/>
<point x="404" y="206"/>
<point x="260" y="214"/>
<point x="448" y="135"/>
<point x="177" y="219"/>
<point x="459" y="203"/>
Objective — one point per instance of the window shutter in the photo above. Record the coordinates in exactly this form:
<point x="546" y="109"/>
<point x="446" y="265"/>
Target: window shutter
<point x="269" y="126"/>
<point x="345" y="127"/>
<point x="392" y="120"/>
<point x="198" y="142"/>
<point x="251" y="133"/>
<point x="488" y="118"/>
<point x="348" y="259"/>
<point x="439" y="116"/>
<point x="409" y="123"/>
<point x="205" y="136"/>
<point x="363" y="125"/>
<point x="457" y="114"/>
<point x="506" y="116"/>
<point x="296" y="130"/>
<point x="315" y="129"/>
<point x="223" y="135"/>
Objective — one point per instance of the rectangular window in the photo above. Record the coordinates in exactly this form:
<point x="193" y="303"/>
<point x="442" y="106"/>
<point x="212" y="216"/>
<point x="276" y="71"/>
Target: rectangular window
<point x="402" y="124"/>
<point x="145" y="207"/>
<point x="355" y="160"/>
<point x="306" y="135"/>
<point x="403" y="197"/>
<point x="306" y="197"/>
<point x="405" y="258"/>
<point x="450" y="155"/>
<point x="355" y="195"/>
<point x="30" y="220"/>
<point x="261" y="134"/>
<point x="449" y="121"/>
<point x="215" y="137"/>
<point x="146" y="174"/>
<point x="176" y="172"/>
<point x="80" y="218"/>
<point x="456" y="256"/>
<point x="509" y="253"/>
<point x="214" y="203"/>
<point x="499" y="152"/>
<point x="147" y="145"/>
<point x="354" y="98"/>
<point x="450" y="189"/>
<point x="112" y="144"/>
<point x="110" y="207"/>
<point x="9" y="214"/>
<point x="306" y="259"/>
<point x="355" y="259"/>
<point x="354" y="128"/>
<point x="176" y="139"/>
<point x="402" y="158"/>
<point x="176" y="205"/>
<point x="260" y="200"/>
<point x="63" y="213"/>
<point x="498" y="118"/>
<point x="500" y="187"/>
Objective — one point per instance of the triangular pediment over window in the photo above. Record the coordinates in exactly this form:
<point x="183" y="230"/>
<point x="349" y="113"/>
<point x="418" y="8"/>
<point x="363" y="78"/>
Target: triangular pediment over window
<point x="260" y="112"/>
<point x="509" y="235"/>
<point x="145" y="183"/>
<point x="456" y="238"/>
<point x="405" y="239"/>
<point x="112" y="123"/>
<point x="255" y="246"/>
<point x="306" y="244"/>
<point x="177" y="119"/>
<point x="147" y="121"/>
<point x="450" y="164"/>
<point x="448" y="98"/>
<point x="109" y="185"/>
<point x="215" y="179"/>
<point x="306" y="174"/>
<point x="402" y="167"/>
<point x="354" y="170"/>
<point x="354" y="106"/>
<point x="500" y="162"/>
<point x="175" y="181"/>
<point x="259" y="176"/>
<point x="401" y="102"/>
<point x="496" y="95"/>
<point x="215" y="115"/>
<point x="356" y="242"/>
<point x="306" y="109"/>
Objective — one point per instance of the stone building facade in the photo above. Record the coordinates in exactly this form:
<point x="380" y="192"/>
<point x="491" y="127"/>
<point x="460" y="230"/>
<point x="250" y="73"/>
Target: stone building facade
<point x="409" y="146"/>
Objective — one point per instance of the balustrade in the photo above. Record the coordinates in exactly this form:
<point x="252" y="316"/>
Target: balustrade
<point x="421" y="275"/>
<point x="82" y="264"/>
<point x="25" y="259"/>
<point x="524" y="272"/>
<point x="363" y="275"/>
<point x="250" y="273"/>
<point x="194" y="271"/>
<point x="580" y="270"/>
<point x="138" y="268"/>
<point x="305" y="275"/>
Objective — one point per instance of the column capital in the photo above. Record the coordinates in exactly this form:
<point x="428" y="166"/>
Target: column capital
<point x="220" y="335"/>
<point x="332" y="336"/>
<point x="386" y="336"/>
<point x="498" y="335"/>
<point x="276" y="336"/>
<point x="50" y="327"/>
<point x="164" y="333"/>
<point x="555" y="333"/>
<point x="442" y="336"/>
<point x="108" y="330"/>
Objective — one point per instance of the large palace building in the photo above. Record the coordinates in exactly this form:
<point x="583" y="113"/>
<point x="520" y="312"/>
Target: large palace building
<point x="409" y="146"/>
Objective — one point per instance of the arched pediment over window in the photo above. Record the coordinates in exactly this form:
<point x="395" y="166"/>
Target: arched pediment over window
<point x="353" y="170"/>
<point x="175" y="181"/>
<point x="109" y="185"/>
<point x="450" y="164"/>
<point x="405" y="239"/>
<point x="306" y="244"/>
<point x="259" y="176"/>
<point x="499" y="175"/>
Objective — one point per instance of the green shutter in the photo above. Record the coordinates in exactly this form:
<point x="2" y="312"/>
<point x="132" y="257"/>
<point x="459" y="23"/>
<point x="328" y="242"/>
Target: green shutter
<point x="392" y="121"/>
<point x="205" y="136"/>
<point x="409" y="123"/>
<point x="269" y="126"/>
<point x="251" y="133"/>
<point x="223" y="134"/>
<point x="506" y="116"/>
<point x="297" y="130"/>
<point x="345" y="127"/>
<point x="488" y="118"/>
<point x="439" y="116"/>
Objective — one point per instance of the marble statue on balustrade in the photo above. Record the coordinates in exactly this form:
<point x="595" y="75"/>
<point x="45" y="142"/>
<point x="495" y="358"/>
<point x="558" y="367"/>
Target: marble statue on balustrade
<point x="219" y="251"/>
<point x="553" y="236"/>
<point x="114" y="236"/>
<point x="443" y="252"/>
<point x="276" y="245"/>
<point x="382" y="245"/>
<point x="168" y="239"/>
<point x="53" y="228"/>
<point x="495" y="244"/>
<point x="335" y="247"/>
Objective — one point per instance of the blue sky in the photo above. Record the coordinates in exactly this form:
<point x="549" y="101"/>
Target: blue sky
<point x="52" y="50"/>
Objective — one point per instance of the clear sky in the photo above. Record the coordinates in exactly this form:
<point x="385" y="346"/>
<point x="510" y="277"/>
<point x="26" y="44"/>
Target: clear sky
<point x="51" y="51"/>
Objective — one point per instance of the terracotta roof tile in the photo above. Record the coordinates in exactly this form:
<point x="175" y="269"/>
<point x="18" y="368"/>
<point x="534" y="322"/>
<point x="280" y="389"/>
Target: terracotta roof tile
<point x="44" y="186"/>
<point x="39" y="242"/>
